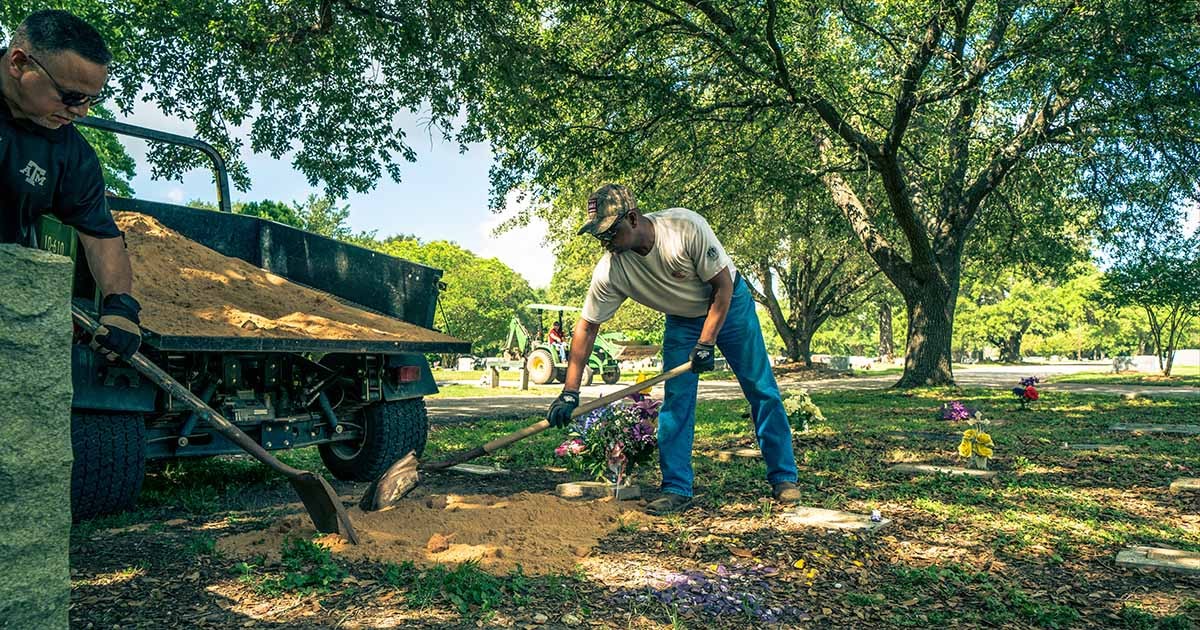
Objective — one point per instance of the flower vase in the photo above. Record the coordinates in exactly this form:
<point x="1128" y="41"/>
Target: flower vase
<point x="978" y="463"/>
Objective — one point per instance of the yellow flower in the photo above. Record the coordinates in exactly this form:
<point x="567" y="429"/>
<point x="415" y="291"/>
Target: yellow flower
<point x="975" y="442"/>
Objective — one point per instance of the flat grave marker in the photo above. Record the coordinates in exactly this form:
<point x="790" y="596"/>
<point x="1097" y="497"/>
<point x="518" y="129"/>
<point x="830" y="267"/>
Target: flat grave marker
<point x="928" y="469"/>
<point x="1159" y="558"/>
<point x="1180" y="429"/>
<point x="1186" y="484"/>
<point x="728" y="455"/>
<point x="1101" y="448"/>
<point x="595" y="490"/>
<point x="833" y="519"/>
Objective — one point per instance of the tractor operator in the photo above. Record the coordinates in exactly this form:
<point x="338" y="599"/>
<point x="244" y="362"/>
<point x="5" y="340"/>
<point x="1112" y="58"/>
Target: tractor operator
<point x="53" y="70"/>
<point x="671" y="261"/>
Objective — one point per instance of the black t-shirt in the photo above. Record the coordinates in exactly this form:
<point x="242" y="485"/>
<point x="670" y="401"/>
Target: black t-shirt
<point x="49" y="171"/>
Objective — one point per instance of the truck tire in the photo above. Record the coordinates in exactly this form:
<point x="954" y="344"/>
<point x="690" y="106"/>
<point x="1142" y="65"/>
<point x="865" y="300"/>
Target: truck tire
<point x="541" y="366"/>
<point x="110" y="462"/>
<point x="391" y="429"/>
<point x="611" y="377"/>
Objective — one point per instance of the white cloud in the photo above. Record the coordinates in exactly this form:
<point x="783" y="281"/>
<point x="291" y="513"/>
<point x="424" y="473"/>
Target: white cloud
<point x="175" y="194"/>
<point x="523" y="248"/>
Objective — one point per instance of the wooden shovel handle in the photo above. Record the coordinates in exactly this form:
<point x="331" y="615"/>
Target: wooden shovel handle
<point x="588" y="407"/>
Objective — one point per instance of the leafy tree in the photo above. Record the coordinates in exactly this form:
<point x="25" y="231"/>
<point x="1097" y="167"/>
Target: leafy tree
<point x="804" y="269"/>
<point x="116" y="164"/>
<point x="1165" y="283"/>
<point x="914" y="116"/>
<point x="481" y="296"/>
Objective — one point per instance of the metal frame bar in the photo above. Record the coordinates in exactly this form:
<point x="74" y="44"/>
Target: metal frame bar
<point x="222" y="175"/>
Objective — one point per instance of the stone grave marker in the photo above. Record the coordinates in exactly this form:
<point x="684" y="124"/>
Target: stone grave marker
<point x="595" y="490"/>
<point x="833" y="519"/>
<point x="928" y="469"/>
<point x="1186" y="484"/>
<point x="1180" y="429"/>
<point x="728" y="455"/>
<point x="1101" y="448"/>
<point x="1160" y="558"/>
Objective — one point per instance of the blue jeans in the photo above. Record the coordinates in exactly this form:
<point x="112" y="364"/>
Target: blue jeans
<point x="741" y="341"/>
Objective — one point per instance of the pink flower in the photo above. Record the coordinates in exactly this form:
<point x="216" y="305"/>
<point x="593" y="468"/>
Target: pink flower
<point x="573" y="446"/>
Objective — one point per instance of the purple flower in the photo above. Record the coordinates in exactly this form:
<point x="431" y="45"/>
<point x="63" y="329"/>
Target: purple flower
<point x="1029" y="382"/>
<point x="647" y="408"/>
<point x="955" y="411"/>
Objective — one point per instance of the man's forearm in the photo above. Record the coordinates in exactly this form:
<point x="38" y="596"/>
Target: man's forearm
<point x="109" y="263"/>
<point x="718" y="309"/>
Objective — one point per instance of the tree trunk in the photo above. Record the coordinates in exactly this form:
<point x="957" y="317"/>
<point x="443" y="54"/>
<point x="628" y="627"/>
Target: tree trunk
<point x="805" y="344"/>
<point x="930" y="325"/>
<point x="1010" y="349"/>
<point x="886" y="346"/>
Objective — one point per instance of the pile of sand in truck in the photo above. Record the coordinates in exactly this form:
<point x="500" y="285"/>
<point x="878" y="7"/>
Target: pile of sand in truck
<point x="187" y="289"/>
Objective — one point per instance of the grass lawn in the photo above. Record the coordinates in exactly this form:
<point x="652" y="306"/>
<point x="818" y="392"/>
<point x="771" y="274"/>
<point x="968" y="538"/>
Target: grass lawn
<point x="1185" y="375"/>
<point x="1034" y="548"/>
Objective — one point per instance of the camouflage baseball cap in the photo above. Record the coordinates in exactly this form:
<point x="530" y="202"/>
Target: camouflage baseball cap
<point x="609" y="203"/>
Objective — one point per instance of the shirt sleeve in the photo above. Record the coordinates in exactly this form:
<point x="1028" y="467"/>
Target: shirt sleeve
<point x="603" y="299"/>
<point x="80" y="202"/>
<point x="706" y="251"/>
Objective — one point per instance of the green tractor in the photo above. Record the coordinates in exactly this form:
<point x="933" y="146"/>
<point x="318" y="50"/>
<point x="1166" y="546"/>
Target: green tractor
<point x="545" y="362"/>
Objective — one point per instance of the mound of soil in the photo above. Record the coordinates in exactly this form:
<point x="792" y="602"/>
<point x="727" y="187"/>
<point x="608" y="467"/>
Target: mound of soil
<point x="187" y="289"/>
<point x="541" y="533"/>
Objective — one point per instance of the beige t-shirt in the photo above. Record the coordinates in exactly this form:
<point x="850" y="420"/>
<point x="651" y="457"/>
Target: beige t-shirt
<point x="672" y="278"/>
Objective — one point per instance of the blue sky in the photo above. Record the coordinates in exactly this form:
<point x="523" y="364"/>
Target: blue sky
<point x="443" y="196"/>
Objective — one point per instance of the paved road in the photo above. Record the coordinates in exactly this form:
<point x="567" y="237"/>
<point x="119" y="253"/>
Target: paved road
<point x="451" y="410"/>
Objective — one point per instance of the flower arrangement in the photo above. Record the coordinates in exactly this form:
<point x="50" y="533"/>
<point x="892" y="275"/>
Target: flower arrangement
<point x="977" y="446"/>
<point x="1026" y="393"/>
<point x="801" y="409"/>
<point x="955" y="411"/>
<point x="611" y="441"/>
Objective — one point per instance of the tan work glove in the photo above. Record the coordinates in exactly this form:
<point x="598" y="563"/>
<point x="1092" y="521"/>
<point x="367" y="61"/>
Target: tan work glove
<point x="119" y="334"/>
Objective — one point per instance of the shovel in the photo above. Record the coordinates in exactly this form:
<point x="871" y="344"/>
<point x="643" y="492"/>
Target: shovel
<point x="402" y="476"/>
<point x="327" y="512"/>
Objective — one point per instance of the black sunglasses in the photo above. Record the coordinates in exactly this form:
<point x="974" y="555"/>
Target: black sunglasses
<point x="611" y="232"/>
<point x="70" y="98"/>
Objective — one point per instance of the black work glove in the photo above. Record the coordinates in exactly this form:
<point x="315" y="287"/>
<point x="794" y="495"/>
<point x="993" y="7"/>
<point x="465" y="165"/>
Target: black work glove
<point x="703" y="357"/>
<point x="119" y="334"/>
<point x="562" y="408"/>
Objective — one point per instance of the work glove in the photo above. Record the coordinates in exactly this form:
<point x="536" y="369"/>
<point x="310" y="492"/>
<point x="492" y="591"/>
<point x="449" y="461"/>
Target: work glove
<point x="119" y="334"/>
<point x="703" y="356"/>
<point x="562" y="408"/>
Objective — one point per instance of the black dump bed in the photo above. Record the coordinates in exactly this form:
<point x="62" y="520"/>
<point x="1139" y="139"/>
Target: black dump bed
<point x="357" y="276"/>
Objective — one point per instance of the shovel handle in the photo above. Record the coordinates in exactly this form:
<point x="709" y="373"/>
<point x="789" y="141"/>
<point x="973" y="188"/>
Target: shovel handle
<point x="587" y="407"/>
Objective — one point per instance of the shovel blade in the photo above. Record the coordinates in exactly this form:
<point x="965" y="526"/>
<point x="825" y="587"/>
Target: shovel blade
<point x="398" y="480"/>
<point x="326" y="511"/>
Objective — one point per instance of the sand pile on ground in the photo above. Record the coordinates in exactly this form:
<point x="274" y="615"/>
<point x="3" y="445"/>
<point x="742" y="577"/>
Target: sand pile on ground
<point x="187" y="289"/>
<point x="541" y="533"/>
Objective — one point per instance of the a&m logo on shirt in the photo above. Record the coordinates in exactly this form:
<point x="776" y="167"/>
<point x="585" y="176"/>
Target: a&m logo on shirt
<point x="34" y="174"/>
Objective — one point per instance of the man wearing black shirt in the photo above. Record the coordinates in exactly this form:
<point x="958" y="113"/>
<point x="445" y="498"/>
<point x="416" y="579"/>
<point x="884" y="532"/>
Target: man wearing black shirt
<point x="51" y="73"/>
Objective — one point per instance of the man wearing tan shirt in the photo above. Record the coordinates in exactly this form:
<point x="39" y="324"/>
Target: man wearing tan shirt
<point x="671" y="261"/>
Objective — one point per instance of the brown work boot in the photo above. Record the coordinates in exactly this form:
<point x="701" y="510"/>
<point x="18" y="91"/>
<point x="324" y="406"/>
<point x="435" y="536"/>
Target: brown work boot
<point x="668" y="503"/>
<point x="785" y="492"/>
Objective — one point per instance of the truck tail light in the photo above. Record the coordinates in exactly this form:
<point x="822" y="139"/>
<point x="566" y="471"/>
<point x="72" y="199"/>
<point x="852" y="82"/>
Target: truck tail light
<point x="407" y="373"/>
